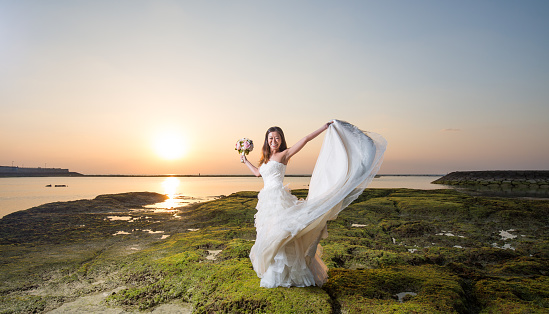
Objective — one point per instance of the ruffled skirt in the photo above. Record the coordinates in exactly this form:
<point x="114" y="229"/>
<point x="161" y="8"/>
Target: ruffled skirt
<point x="295" y="263"/>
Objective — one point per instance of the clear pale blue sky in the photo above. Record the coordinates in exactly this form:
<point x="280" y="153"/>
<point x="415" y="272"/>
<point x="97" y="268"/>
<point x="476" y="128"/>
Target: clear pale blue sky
<point x="94" y="86"/>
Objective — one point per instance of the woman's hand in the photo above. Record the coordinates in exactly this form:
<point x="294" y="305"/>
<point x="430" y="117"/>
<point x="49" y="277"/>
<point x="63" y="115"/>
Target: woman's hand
<point x="252" y="168"/>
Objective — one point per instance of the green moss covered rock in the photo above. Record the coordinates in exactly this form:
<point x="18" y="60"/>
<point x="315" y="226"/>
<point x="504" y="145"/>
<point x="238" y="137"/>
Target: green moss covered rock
<point x="391" y="251"/>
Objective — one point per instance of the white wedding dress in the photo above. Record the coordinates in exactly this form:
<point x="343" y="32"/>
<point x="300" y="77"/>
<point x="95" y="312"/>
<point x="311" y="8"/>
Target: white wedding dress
<point x="287" y="250"/>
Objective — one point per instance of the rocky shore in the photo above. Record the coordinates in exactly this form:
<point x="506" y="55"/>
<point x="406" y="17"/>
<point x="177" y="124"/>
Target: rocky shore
<point x="391" y="251"/>
<point x="519" y="179"/>
<point x="519" y="183"/>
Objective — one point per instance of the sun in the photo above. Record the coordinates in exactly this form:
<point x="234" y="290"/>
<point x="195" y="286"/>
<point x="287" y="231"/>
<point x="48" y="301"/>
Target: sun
<point x="169" y="146"/>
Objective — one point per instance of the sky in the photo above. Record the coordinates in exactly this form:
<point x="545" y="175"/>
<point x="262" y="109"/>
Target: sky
<point x="168" y="87"/>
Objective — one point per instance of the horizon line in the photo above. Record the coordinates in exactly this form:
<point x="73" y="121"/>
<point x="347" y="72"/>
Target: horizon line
<point x="243" y="175"/>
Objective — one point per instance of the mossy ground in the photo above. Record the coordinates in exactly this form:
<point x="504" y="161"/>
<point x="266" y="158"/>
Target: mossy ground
<point x="442" y="245"/>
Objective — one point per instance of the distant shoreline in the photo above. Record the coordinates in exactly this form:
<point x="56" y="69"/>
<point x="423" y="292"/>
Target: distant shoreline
<point x="246" y="175"/>
<point x="75" y="174"/>
<point x="18" y="172"/>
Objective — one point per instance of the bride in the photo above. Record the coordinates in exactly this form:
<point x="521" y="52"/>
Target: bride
<point x="287" y="250"/>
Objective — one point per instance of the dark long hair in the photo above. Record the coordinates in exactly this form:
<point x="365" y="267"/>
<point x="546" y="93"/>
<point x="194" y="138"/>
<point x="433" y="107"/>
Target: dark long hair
<point x="266" y="151"/>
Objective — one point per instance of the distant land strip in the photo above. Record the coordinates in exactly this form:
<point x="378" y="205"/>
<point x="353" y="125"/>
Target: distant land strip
<point x="7" y="171"/>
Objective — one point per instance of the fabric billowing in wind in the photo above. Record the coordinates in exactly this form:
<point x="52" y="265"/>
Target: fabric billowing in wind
<point x="287" y="250"/>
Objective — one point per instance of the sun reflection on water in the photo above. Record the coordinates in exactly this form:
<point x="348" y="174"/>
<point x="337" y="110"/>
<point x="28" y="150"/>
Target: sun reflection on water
<point x="170" y="186"/>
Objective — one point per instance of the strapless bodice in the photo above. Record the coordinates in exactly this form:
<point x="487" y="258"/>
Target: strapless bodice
<point x="272" y="174"/>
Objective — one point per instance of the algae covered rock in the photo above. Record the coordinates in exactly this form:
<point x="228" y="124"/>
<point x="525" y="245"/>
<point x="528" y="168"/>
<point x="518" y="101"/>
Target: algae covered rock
<point x="434" y="289"/>
<point x="391" y="251"/>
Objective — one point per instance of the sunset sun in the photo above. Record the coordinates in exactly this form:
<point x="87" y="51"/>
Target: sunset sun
<point x="169" y="146"/>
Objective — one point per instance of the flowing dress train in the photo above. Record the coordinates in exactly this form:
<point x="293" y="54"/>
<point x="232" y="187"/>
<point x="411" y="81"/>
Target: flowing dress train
<point x="287" y="250"/>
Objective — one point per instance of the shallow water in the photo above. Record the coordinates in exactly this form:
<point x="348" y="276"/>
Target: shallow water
<point x="23" y="193"/>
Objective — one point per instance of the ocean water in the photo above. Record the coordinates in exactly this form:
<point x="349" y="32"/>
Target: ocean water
<point x="23" y="193"/>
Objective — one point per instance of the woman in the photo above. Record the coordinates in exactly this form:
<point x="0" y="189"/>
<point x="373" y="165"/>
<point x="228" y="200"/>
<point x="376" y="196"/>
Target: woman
<point x="287" y="251"/>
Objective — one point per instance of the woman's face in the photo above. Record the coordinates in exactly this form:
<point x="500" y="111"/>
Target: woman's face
<point x="274" y="141"/>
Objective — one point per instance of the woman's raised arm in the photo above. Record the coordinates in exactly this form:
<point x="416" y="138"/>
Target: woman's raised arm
<point x="301" y="143"/>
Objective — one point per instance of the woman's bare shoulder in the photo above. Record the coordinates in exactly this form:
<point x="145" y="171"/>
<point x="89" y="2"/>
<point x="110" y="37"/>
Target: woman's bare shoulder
<point x="281" y="157"/>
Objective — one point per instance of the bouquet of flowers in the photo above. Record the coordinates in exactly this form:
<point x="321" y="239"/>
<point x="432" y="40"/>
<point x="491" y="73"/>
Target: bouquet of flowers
<point x="244" y="146"/>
